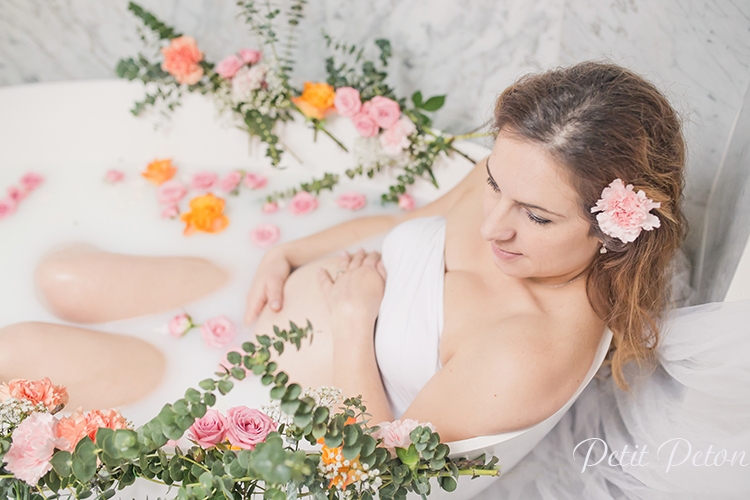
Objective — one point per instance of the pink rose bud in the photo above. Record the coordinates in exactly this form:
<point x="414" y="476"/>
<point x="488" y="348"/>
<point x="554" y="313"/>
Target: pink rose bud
<point x="247" y="427"/>
<point x="218" y="331"/>
<point x="255" y="181"/>
<point x="31" y="181"/>
<point x="229" y="66"/>
<point x="209" y="430"/>
<point x="170" y="212"/>
<point x="16" y="194"/>
<point x="384" y="111"/>
<point x="264" y="235"/>
<point x="113" y="176"/>
<point x="230" y="182"/>
<point x="347" y="101"/>
<point x="7" y="207"/>
<point x="351" y="200"/>
<point x="170" y="192"/>
<point x="270" y="207"/>
<point x="204" y="180"/>
<point x="302" y="203"/>
<point x="179" y="325"/>
<point x="406" y="202"/>
<point x="34" y="443"/>
<point x="365" y="125"/>
<point x="250" y="56"/>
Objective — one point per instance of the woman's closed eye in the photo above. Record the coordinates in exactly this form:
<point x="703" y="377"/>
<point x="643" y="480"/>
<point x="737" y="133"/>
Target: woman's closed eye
<point x="491" y="183"/>
<point x="536" y="219"/>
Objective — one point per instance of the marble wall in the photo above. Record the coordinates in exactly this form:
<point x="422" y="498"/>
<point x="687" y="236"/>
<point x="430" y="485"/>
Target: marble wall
<point x="698" y="51"/>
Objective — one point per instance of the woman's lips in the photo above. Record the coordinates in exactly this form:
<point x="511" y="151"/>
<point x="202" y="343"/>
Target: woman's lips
<point x="503" y="254"/>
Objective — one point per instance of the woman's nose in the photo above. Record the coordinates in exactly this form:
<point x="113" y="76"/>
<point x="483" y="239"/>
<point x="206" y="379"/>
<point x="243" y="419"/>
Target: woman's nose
<point x="497" y="225"/>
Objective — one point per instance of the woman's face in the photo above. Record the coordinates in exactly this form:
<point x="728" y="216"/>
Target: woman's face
<point x="533" y="219"/>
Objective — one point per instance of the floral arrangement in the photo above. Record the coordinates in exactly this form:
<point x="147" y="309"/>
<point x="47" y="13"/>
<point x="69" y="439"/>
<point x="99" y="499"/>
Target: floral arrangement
<point x="254" y="86"/>
<point x="241" y="454"/>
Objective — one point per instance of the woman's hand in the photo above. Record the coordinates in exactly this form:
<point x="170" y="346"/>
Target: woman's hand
<point x="268" y="284"/>
<point x="355" y="291"/>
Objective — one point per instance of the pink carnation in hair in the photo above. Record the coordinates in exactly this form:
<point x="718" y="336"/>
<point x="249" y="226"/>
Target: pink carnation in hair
<point x="255" y="181"/>
<point x="230" y="181"/>
<point x="113" y="176"/>
<point x="625" y="213"/>
<point x="209" y="430"/>
<point x="347" y="101"/>
<point x="264" y="235"/>
<point x="302" y="203"/>
<point x="204" y="180"/>
<point x="31" y="181"/>
<point x="351" y="200"/>
<point x="218" y="331"/>
<point x="229" y="66"/>
<point x="406" y="202"/>
<point x="250" y="56"/>
<point x="170" y="192"/>
<point x="384" y="111"/>
<point x="34" y="443"/>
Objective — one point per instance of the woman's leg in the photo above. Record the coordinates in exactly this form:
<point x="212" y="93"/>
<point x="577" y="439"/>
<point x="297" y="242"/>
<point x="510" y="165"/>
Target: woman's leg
<point x="100" y="370"/>
<point x="83" y="284"/>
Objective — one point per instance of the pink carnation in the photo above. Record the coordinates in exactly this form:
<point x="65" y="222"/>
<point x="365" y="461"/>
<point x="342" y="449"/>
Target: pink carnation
<point x="264" y="235"/>
<point x="218" y="331"/>
<point x="247" y="427"/>
<point x="209" y="430"/>
<point x="31" y="181"/>
<point x="625" y="213"/>
<point x="179" y="325"/>
<point x="230" y="182"/>
<point x="396" y="434"/>
<point x="229" y="66"/>
<point x="204" y="180"/>
<point x="34" y="443"/>
<point x="396" y="139"/>
<point x="7" y="207"/>
<point x="181" y="60"/>
<point x="351" y="200"/>
<point x="250" y="56"/>
<point x="406" y="202"/>
<point x="302" y="203"/>
<point x="365" y="124"/>
<point x="170" y="212"/>
<point x="170" y="192"/>
<point x="347" y="101"/>
<point x="113" y="176"/>
<point x="270" y="207"/>
<point x="255" y="181"/>
<point x="384" y="111"/>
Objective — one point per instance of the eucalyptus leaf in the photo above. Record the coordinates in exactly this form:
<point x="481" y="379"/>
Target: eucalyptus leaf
<point x="434" y="103"/>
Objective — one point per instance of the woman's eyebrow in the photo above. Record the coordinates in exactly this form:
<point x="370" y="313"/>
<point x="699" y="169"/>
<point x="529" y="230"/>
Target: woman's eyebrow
<point x="523" y="204"/>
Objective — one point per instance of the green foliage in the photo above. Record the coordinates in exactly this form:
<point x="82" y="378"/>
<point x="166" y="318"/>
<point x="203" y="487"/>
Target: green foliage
<point x="352" y="69"/>
<point x="163" y="31"/>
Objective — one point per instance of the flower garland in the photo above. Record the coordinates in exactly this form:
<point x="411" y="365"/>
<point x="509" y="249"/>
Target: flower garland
<point x="243" y="453"/>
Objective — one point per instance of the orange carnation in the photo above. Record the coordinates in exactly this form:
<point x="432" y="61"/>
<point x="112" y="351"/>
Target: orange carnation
<point x="316" y="100"/>
<point x="72" y="429"/>
<point x="107" y="419"/>
<point x="181" y="60"/>
<point x="37" y="391"/>
<point x="333" y="459"/>
<point x="159" y="171"/>
<point x="206" y="214"/>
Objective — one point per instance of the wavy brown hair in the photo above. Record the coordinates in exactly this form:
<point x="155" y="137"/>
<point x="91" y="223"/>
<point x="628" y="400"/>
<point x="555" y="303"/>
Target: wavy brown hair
<point x="604" y="122"/>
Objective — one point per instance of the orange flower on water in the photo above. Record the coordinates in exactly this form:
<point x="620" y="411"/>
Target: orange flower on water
<point x="206" y="214"/>
<point x="159" y="171"/>
<point x="316" y="100"/>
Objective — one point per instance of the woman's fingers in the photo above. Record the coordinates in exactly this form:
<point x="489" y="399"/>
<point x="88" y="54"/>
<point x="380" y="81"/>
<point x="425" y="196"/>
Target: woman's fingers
<point x="371" y="259"/>
<point x="343" y="261"/>
<point x="381" y="269"/>
<point x="357" y="259"/>
<point x="324" y="279"/>
<point x="275" y="293"/>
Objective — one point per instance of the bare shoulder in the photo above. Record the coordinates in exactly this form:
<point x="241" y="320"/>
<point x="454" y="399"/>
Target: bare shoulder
<point x="506" y="380"/>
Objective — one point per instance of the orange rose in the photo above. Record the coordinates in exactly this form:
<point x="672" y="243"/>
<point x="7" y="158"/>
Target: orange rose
<point x="206" y="214"/>
<point x="38" y="391"/>
<point x="181" y="60"/>
<point x="316" y="100"/>
<point x="159" y="171"/>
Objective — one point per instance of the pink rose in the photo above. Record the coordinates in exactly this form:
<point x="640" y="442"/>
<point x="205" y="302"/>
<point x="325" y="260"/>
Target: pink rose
<point x="365" y="125"/>
<point x="31" y="181"/>
<point x="247" y="427"/>
<point x="406" y="202"/>
<point x="34" y="443"/>
<point x="255" y="181"/>
<point x="181" y="60"/>
<point x="270" y="207"/>
<point x="264" y="235"/>
<point x="7" y="207"/>
<point x="351" y="200"/>
<point x="104" y="419"/>
<point x="113" y="176"/>
<point x="230" y="182"/>
<point x="170" y="192"/>
<point x="204" y="180"/>
<point x="179" y="325"/>
<point x="209" y="430"/>
<point x="218" y="331"/>
<point x="302" y="203"/>
<point x="396" y="434"/>
<point x="229" y="66"/>
<point x="384" y="111"/>
<point x="347" y="101"/>
<point x="396" y="139"/>
<point x="250" y="56"/>
<point x="15" y="194"/>
<point x="170" y="212"/>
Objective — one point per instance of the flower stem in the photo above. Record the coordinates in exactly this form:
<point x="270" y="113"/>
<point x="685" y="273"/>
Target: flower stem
<point x="326" y="132"/>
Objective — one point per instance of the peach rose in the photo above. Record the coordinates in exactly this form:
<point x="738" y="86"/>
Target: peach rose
<point x="159" y="171"/>
<point x="302" y="203"/>
<point x="365" y="125"/>
<point x="384" y="111"/>
<point x="204" y="181"/>
<point x="209" y="430"/>
<point x="250" y="56"/>
<point x="72" y="429"/>
<point x="31" y="180"/>
<point x="113" y="176"/>
<point x="229" y="66"/>
<point x="351" y="200"/>
<point x="270" y="207"/>
<point x="247" y="427"/>
<point x="38" y="391"/>
<point x="218" y="331"/>
<point x="170" y="192"/>
<point x="7" y="207"/>
<point x="181" y="60"/>
<point x="347" y="101"/>
<point x="406" y="202"/>
<point x="206" y="214"/>
<point x="34" y="443"/>
<point x="230" y="181"/>
<point x="316" y="100"/>
<point x="104" y="419"/>
<point x="255" y="181"/>
<point x="179" y="325"/>
<point x="264" y="235"/>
